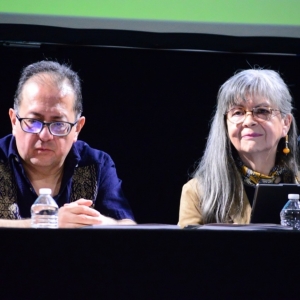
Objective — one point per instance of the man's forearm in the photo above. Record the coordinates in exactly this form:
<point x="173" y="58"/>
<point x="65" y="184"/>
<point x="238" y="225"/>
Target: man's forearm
<point x="125" y="222"/>
<point x="15" y="223"/>
<point x="111" y="221"/>
<point x="26" y="223"/>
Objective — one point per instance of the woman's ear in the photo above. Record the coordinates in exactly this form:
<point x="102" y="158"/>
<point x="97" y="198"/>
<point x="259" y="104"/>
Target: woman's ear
<point x="287" y="121"/>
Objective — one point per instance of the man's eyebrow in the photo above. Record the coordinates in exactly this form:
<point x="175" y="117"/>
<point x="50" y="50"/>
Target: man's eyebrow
<point x="40" y="116"/>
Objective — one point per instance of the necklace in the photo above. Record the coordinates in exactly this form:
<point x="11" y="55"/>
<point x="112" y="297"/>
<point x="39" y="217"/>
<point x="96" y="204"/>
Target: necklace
<point x="252" y="178"/>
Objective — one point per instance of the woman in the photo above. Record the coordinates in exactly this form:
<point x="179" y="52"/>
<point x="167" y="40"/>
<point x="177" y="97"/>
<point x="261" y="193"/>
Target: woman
<point x="253" y="138"/>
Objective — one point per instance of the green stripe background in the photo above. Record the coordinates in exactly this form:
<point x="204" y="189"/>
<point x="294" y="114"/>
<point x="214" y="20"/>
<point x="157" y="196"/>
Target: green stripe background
<point x="275" y="12"/>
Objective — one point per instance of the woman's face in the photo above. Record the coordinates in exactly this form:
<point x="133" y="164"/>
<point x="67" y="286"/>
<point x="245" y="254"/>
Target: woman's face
<point x="255" y="137"/>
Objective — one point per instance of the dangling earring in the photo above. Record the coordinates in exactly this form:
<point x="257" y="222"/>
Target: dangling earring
<point x="286" y="150"/>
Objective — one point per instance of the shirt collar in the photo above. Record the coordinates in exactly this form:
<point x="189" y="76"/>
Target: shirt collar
<point x="13" y="151"/>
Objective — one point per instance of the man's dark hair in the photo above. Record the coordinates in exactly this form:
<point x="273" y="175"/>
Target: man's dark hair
<point x="59" y="73"/>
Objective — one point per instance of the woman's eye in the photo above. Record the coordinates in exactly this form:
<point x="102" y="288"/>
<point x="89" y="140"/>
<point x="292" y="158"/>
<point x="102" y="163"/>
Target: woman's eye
<point x="237" y="113"/>
<point x="262" y="111"/>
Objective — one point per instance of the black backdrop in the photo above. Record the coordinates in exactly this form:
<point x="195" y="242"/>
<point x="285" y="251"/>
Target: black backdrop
<point x="148" y="108"/>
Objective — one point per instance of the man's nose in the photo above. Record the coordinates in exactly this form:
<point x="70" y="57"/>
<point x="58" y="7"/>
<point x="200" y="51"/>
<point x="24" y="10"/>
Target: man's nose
<point x="45" y="133"/>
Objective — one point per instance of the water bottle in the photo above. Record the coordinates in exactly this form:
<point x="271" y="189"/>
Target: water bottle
<point x="44" y="211"/>
<point x="290" y="214"/>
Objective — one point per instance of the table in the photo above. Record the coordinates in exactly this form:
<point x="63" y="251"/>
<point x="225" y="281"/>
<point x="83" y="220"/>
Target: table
<point x="115" y="263"/>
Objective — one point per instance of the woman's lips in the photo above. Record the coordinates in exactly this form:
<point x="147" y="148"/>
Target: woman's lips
<point x="251" y="135"/>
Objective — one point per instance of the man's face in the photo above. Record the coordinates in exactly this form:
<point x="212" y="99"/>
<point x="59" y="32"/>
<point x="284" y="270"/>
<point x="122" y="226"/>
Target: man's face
<point x="42" y="100"/>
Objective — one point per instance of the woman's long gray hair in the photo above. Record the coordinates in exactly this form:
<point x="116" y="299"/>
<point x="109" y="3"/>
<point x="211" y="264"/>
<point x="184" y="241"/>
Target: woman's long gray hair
<point x="219" y="179"/>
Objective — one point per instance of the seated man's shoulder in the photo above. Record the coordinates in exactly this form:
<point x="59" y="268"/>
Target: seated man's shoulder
<point x="89" y="154"/>
<point x="5" y="146"/>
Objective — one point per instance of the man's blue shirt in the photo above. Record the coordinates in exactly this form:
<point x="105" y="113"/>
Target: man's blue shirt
<point x="88" y="173"/>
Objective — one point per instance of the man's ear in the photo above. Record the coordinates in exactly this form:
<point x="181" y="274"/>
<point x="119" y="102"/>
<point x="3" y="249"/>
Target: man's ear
<point x="13" y="119"/>
<point x="78" y="127"/>
<point x="287" y="121"/>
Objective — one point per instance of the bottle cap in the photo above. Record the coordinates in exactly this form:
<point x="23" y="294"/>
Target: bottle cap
<point x="49" y="191"/>
<point x="293" y="196"/>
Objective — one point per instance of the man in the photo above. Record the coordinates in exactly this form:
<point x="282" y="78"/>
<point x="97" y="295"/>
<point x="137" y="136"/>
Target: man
<point x="43" y="152"/>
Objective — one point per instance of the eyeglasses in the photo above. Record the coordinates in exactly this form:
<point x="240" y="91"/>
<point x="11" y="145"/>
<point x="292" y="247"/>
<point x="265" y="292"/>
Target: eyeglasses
<point x="238" y="115"/>
<point x="36" y="126"/>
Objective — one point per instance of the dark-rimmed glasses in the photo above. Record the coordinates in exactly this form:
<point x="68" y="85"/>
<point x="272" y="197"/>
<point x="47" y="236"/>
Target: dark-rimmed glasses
<point x="59" y="128"/>
<point x="238" y="115"/>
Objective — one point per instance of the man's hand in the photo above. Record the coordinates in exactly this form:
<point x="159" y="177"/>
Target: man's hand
<point x="79" y="214"/>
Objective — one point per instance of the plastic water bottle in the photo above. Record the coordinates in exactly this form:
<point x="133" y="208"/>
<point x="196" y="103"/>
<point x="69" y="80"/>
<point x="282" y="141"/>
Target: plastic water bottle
<point x="290" y="214"/>
<point x="44" y="211"/>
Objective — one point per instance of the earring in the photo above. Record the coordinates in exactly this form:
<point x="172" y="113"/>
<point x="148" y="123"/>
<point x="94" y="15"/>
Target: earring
<point x="286" y="150"/>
